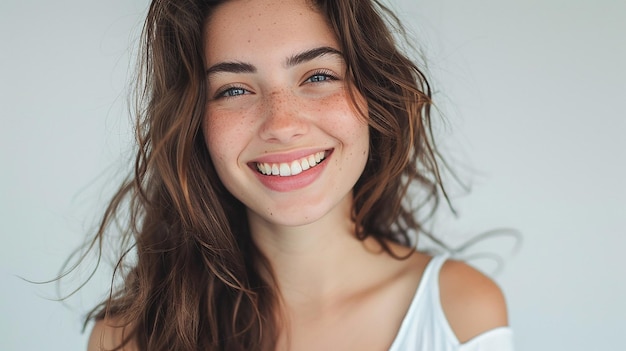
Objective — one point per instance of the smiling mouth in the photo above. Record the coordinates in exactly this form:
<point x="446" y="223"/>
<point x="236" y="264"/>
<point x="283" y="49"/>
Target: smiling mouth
<point x="292" y="168"/>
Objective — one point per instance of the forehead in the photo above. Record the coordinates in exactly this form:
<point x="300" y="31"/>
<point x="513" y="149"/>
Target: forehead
<point x="250" y="29"/>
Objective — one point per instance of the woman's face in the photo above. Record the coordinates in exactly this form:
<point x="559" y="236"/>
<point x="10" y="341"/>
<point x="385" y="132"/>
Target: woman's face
<point x="280" y="127"/>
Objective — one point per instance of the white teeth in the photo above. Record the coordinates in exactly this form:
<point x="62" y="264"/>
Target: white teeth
<point x="285" y="170"/>
<point x="293" y="168"/>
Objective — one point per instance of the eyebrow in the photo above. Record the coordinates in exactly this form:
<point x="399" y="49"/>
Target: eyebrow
<point x="231" y="67"/>
<point x="297" y="59"/>
<point x="311" y="55"/>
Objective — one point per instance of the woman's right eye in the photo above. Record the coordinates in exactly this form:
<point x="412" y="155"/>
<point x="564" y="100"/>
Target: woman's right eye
<point x="231" y="92"/>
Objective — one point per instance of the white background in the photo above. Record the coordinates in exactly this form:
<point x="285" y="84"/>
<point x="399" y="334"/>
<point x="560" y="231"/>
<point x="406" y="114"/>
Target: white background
<point x="533" y="91"/>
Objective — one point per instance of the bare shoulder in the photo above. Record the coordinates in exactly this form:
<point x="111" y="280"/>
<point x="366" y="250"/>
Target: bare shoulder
<point x="109" y="334"/>
<point x="472" y="302"/>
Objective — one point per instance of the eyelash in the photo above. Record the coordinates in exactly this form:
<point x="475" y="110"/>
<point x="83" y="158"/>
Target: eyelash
<point x="222" y="94"/>
<point x="326" y="74"/>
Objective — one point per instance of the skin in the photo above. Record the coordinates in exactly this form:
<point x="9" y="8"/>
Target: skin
<point x="281" y="111"/>
<point x="331" y="283"/>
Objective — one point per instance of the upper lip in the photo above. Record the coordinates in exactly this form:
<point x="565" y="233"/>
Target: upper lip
<point x="287" y="156"/>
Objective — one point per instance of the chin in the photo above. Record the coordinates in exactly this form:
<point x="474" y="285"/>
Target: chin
<point x="298" y="215"/>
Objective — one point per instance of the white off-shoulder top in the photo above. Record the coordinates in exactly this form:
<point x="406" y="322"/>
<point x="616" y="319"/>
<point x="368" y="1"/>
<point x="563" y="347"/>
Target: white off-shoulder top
<point x="425" y="327"/>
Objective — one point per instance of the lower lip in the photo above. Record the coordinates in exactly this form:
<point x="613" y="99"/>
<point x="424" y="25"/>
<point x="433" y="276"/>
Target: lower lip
<point x="291" y="183"/>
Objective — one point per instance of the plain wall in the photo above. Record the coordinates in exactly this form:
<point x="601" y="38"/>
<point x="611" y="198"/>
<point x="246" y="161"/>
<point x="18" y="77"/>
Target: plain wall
<point x="533" y="92"/>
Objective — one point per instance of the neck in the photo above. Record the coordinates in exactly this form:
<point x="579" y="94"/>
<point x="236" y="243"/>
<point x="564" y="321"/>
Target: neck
<point x="315" y="260"/>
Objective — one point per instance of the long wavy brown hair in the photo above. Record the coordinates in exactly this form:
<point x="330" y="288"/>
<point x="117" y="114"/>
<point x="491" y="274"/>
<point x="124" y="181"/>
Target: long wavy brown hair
<point x="194" y="281"/>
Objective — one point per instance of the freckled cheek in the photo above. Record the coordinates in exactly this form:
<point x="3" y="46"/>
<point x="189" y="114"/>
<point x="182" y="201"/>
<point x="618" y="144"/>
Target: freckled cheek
<point x="337" y="114"/>
<point x="226" y="134"/>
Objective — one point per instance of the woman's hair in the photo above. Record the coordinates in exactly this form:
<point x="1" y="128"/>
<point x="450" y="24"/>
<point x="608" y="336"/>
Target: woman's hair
<point x="195" y="282"/>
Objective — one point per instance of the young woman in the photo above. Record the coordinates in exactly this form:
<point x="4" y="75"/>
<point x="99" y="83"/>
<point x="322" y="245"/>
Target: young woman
<point x="269" y="204"/>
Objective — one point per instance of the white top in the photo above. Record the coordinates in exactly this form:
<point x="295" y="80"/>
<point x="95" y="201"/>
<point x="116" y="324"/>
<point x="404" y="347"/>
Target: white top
<point x="425" y="327"/>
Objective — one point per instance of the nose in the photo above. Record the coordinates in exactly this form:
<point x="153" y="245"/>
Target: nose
<point x="283" y="119"/>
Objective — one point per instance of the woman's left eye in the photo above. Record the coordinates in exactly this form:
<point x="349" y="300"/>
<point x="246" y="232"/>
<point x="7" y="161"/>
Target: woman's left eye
<point x="320" y="77"/>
